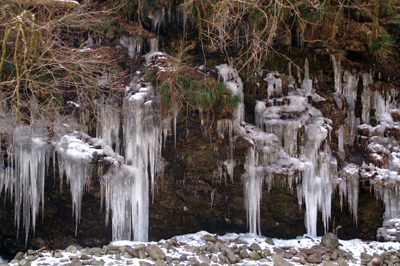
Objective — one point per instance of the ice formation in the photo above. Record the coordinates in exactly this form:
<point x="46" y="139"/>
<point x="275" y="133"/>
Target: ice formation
<point x="289" y="139"/>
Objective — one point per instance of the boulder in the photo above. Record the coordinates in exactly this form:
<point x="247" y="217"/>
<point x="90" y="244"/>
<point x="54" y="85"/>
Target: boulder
<point x="18" y="256"/>
<point x="133" y="252"/>
<point x="76" y="262"/>
<point x="280" y="261"/>
<point x="342" y="262"/>
<point x="243" y="254"/>
<point x="139" y="247"/>
<point x="228" y="252"/>
<point x="24" y="262"/>
<point x="314" y="258"/>
<point x="73" y="249"/>
<point x="330" y="241"/>
<point x="254" y="255"/>
<point x="204" y="258"/>
<point x="255" y="247"/>
<point x="98" y="262"/>
<point x="193" y="249"/>
<point x="334" y="255"/>
<point x="160" y="263"/>
<point x="329" y="263"/>
<point x="155" y="252"/>
<point x="193" y="262"/>
<point x="269" y="241"/>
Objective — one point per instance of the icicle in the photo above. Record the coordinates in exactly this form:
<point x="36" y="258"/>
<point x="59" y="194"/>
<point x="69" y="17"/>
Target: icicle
<point x="175" y="117"/>
<point x="153" y="44"/>
<point x="184" y="25"/>
<point x="74" y="158"/>
<point x="337" y="72"/>
<point x="108" y="121"/>
<point x="221" y="39"/>
<point x="252" y="185"/>
<point x="306" y="86"/>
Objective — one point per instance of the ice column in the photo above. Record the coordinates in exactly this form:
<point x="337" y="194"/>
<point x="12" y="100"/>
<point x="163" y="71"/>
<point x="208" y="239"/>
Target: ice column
<point x="252" y="193"/>
<point x="141" y="131"/>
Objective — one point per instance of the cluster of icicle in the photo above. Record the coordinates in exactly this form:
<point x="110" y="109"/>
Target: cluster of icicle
<point x="381" y="141"/>
<point x="290" y="139"/>
<point x="29" y="151"/>
<point x="124" y="186"/>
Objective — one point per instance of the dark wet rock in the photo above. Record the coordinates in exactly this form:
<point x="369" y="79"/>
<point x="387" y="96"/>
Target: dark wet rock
<point x="86" y="262"/>
<point x="255" y="247"/>
<point x="183" y="257"/>
<point x="330" y="241"/>
<point x="280" y="261"/>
